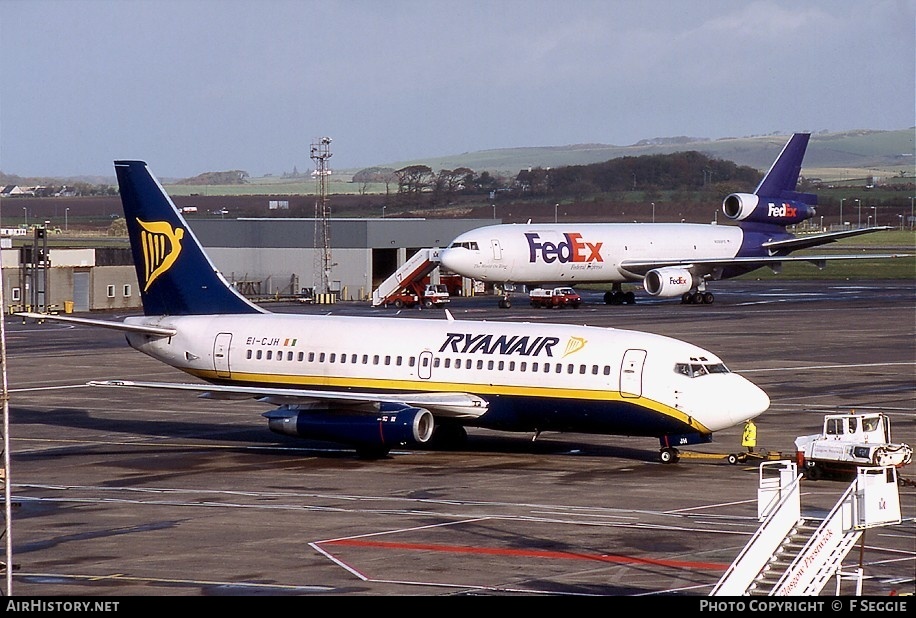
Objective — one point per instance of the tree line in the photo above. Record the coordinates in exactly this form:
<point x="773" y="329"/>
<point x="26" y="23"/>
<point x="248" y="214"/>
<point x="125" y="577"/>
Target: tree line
<point x="689" y="170"/>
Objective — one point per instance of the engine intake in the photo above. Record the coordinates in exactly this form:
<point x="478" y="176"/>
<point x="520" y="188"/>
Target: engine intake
<point x="739" y="206"/>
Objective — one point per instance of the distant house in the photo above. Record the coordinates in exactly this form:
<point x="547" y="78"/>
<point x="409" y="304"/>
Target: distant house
<point x="10" y="190"/>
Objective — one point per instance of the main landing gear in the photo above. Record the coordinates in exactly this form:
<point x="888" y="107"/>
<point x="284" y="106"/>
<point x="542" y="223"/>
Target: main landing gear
<point x="697" y="298"/>
<point x="698" y="295"/>
<point x="616" y="296"/>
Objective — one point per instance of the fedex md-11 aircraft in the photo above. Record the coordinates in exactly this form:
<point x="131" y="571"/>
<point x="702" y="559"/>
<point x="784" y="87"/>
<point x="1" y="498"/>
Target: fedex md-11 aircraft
<point x="669" y="259"/>
<point x="374" y="383"/>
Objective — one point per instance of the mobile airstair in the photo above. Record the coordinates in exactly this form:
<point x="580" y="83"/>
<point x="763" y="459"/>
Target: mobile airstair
<point x="414" y="269"/>
<point x="792" y="555"/>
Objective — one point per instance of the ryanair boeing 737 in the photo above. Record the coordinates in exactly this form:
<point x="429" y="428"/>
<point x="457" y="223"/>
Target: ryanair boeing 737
<point x="374" y="383"/>
<point x="669" y="259"/>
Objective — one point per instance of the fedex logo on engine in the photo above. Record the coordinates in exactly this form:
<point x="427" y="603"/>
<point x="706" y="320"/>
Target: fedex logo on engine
<point x="678" y="280"/>
<point x="573" y="249"/>
<point x="782" y="210"/>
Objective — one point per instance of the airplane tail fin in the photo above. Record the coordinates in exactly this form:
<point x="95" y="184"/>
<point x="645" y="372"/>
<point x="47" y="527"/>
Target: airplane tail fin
<point x="782" y="178"/>
<point x="175" y="275"/>
<point x="775" y="202"/>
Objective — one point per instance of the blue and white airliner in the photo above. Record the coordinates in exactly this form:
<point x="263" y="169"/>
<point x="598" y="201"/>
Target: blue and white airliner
<point x="374" y="383"/>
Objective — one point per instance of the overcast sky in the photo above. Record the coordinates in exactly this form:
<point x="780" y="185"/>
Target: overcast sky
<point x="197" y="85"/>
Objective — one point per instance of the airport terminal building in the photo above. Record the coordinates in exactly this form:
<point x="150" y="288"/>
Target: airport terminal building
<point x="263" y="257"/>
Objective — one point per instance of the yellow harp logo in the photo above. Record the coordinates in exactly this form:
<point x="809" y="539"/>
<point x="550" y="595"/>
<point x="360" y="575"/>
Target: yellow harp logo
<point x="161" y="245"/>
<point x="573" y="345"/>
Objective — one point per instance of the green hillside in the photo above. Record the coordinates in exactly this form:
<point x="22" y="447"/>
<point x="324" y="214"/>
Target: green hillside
<point x="833" y="157"/>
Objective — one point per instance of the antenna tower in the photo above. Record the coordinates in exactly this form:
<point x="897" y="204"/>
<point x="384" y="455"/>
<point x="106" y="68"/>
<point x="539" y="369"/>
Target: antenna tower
<point x="321" y="152"/>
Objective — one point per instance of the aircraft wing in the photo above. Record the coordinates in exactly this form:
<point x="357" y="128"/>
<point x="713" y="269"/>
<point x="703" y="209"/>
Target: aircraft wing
<point x="450" y="405"/>
<point x="714" y="266"/>
<point x="815" y="240"/>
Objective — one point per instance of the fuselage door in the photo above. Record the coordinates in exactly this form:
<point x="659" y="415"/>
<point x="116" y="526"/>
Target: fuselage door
<point x="497" y="249"/>
<point x="631" y="373"/>
<point x="221" y="355"/>
<point x="425" y="365"/>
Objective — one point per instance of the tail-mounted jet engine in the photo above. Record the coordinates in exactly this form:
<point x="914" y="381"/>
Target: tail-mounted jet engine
<point x="751" y="208"/>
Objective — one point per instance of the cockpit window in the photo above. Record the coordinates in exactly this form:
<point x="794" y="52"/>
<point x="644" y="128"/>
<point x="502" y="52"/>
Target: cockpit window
<point x="470" y="245"/>
<point x="694" y="370"/>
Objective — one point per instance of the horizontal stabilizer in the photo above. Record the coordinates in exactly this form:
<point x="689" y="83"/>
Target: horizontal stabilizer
<point x="155" y="331"/>
<point x="804" y="242"/>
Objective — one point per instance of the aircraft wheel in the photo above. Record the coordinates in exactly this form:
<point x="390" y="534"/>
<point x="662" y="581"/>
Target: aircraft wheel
<point x="881" y="457"/>
<point x="686" y="297"/>
<point x="708" y="298"/>
<point x="372" y="452"/>
<point x="814" y="472"/>
<point x="608" y="298"/>
<point x="629" y="298"/>
<point x="448" y="436"/>
<point x="668" y="455"/>
<point x="732" y="459"/>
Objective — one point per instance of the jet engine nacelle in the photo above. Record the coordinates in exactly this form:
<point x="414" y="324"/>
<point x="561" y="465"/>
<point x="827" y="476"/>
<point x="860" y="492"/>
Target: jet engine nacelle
<point x="371" y="433"/>
<point x="751" y="208"/>
<point x="666" y="282"/>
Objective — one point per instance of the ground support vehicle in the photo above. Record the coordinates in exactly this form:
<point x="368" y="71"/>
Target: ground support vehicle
<point x="555" y="298"/>
<point x="849" y="441"/>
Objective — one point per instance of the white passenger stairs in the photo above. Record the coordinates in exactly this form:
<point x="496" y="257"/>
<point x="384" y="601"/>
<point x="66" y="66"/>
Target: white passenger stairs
<point x="790" y="555"/>
<point x="414" y="269"/>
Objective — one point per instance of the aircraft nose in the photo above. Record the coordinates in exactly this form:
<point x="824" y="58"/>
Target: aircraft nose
<point x="752" y="404"/>
<point x="735" y="401"/>
<point x="449" y="259"/>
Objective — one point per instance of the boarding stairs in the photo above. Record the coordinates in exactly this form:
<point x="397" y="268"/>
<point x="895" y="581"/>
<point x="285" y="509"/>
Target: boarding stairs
<point x="790" y="555"/>
<point x="414" y="269"/>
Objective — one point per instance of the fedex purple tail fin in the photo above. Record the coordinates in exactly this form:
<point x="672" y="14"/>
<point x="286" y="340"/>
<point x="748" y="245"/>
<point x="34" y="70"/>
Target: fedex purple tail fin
<point x="775" y="202"/>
